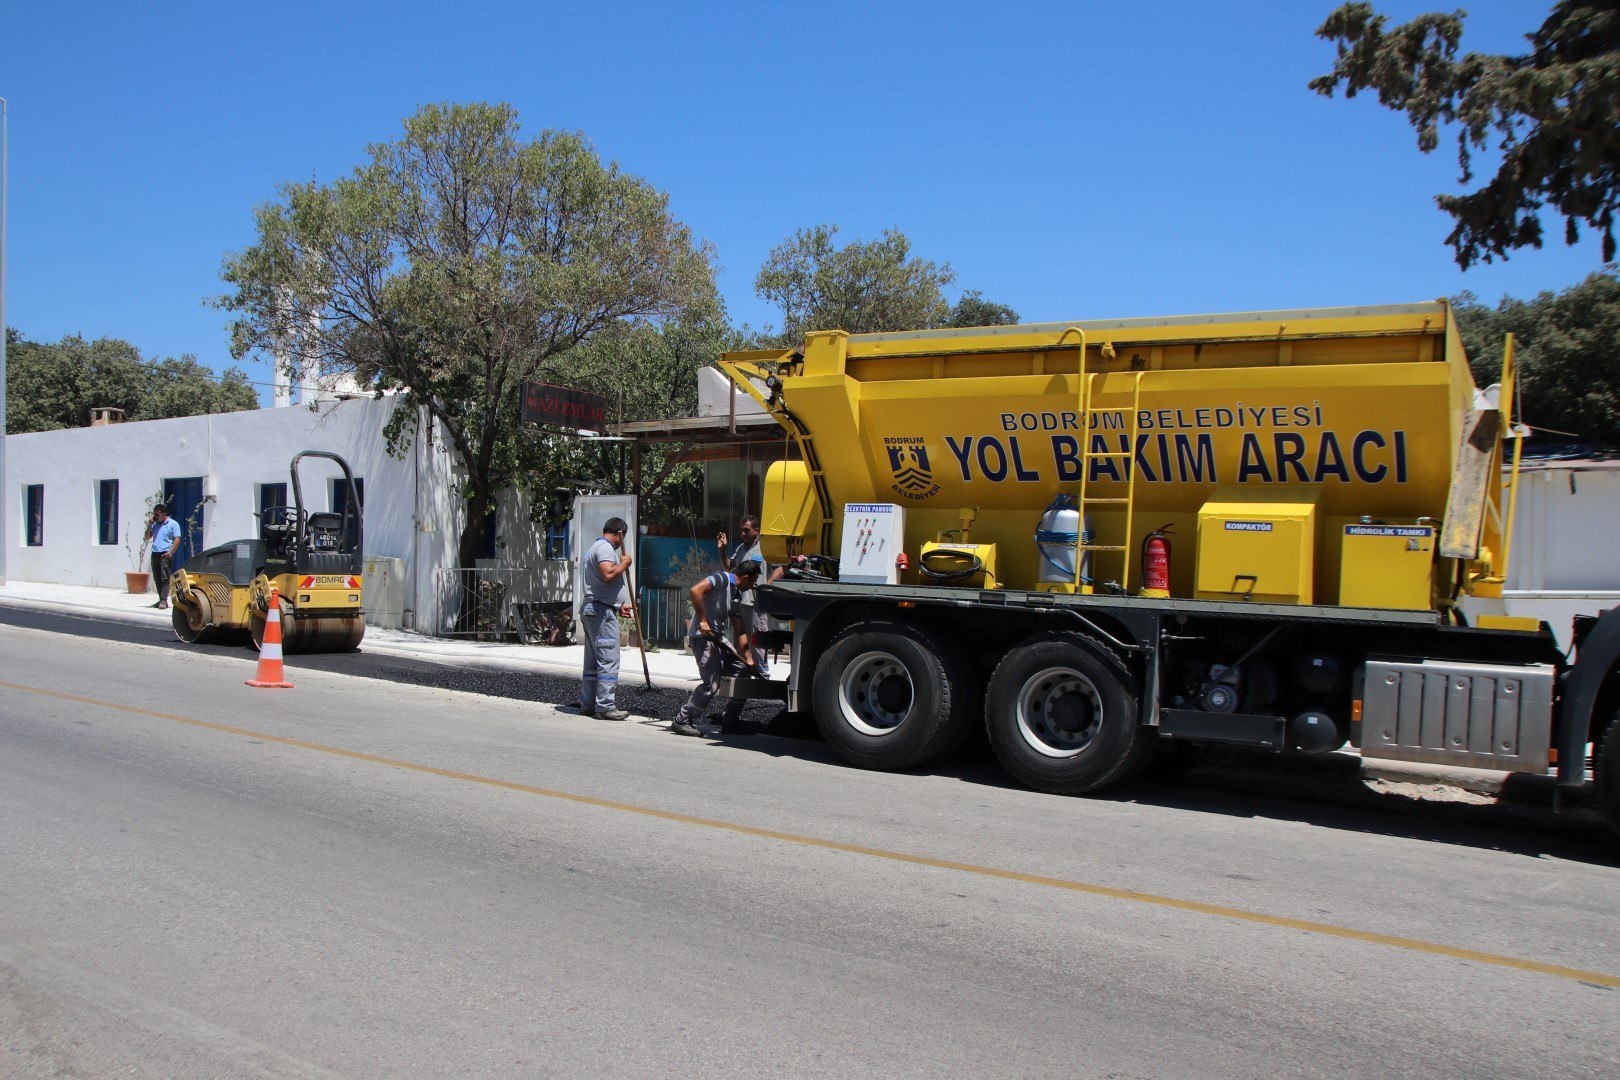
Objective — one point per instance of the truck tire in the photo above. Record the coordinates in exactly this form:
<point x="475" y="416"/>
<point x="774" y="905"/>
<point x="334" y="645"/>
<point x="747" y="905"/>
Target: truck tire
<point x="889" y="695"/>
<point x="1608" y="772"/>
<point x="1062" y="717"/>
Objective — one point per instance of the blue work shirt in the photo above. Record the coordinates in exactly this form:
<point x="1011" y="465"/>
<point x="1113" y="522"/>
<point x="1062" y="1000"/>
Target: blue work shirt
<point x="164" y="537"/>
<point x="590" y="574"/>
<point x="719" y="604"/>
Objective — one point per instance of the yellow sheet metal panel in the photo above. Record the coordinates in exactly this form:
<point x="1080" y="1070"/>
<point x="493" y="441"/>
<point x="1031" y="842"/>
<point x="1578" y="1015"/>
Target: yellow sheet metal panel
<point x="1363" y="406"/>
<point x="790" y="512"/>
<point x="1257" y="545"/>
<point x="1387" y="566"/>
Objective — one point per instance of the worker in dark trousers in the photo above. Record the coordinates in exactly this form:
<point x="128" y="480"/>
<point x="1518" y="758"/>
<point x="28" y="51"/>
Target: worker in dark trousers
<point x="716" y="610"/>
<point x="733" y="555"/>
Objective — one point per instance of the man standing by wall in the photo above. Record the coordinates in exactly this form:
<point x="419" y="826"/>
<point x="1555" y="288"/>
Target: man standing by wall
<point x="164" y="534"/>
<point x="602" y="583"/>
<point x="747" y="550"/>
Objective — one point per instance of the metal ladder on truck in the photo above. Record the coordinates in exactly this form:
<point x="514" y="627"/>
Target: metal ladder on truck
<point x="1126" y="457"/>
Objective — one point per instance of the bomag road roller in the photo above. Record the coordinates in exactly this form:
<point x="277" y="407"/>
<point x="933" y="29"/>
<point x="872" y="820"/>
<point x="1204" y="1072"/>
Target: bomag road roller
<point x="311" y="558"/>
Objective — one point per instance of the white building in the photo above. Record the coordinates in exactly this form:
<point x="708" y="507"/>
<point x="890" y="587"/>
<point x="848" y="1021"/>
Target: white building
<point x="81" y="496"/>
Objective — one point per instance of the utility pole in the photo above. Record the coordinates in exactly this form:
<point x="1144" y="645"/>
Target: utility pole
<point x="5" y="195"/>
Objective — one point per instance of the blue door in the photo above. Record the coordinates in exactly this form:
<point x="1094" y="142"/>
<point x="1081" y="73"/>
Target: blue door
<point x="183" y="496"/>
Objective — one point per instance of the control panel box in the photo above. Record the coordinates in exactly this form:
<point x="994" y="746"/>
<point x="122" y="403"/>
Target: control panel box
<point x="874" y="534"/>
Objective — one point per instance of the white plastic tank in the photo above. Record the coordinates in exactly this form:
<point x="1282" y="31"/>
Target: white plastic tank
<point x="1057" y="537"/>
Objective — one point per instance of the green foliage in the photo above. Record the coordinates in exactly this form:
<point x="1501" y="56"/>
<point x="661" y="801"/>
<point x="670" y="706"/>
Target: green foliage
<point x="1555" y="115"/>
<point x="864" y="288"/>
<point x="458" y="262"/>
<point x="1566" y="347"/>
<point x="49" y="387"/>
<point x="973" y="310"/>
<point x="646" y="372"/>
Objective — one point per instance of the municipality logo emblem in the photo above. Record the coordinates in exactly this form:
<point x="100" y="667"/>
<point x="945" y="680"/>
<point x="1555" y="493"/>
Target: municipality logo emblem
<point x="908" y="461"/>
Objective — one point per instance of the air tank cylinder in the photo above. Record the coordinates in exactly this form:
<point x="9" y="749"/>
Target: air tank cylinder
<point x="1057" y="538"/>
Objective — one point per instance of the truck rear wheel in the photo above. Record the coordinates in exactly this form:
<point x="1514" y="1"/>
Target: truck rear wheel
<point x="1062" y="717"/>
<point x="1608" y="772"/>
<point x="889" y="695"/>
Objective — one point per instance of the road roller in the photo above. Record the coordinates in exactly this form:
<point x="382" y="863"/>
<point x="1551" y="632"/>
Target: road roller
<point x="312" y="559"/>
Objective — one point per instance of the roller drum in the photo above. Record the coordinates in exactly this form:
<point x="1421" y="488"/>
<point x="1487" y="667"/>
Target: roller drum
<point x="322" y="633"/>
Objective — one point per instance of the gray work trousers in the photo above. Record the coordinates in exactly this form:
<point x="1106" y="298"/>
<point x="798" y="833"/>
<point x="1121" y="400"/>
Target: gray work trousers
<point x="714" y="663"/>
<point x="601" y="678"/>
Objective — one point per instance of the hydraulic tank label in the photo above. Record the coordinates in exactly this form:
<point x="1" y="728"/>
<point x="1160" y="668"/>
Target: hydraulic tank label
<point x="1410" y="532"/>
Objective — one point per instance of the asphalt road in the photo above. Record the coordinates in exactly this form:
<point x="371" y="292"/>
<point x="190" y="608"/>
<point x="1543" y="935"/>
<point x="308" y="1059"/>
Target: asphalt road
<point x="369" y="878"/>
<point x="1227" y="781"/>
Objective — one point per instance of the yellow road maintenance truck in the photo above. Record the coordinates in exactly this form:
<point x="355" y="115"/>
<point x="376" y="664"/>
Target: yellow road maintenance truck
<point x="1113" y="541"/>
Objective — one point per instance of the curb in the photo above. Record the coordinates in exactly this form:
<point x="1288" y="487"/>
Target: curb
<point x="150" y="617"/>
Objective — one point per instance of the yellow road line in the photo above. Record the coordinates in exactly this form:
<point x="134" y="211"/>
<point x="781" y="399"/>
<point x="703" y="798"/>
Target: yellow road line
<point x="1326" y="929"/>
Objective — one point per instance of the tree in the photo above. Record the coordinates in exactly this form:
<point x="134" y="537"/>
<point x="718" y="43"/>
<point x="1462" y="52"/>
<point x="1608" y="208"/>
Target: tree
<point x="863" y="287"/>
<point x="645" y="372"/>
<point x="456" y="263"/>
<point x="50" y="387"/>
<point x="973" y="310"/>
<point x="1555" y="113"/>
<point x="1566" y="348"/>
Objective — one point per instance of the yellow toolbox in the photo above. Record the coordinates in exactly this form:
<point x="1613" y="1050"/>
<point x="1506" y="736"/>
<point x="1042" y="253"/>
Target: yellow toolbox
<point x="1257" y="545"/>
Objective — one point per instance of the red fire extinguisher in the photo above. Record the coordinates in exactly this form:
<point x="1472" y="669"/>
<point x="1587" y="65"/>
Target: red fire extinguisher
<point x="1156" y="562"/>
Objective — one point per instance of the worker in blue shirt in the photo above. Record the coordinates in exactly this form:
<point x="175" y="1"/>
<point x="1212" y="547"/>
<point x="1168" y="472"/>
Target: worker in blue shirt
<point x="164" y="534"/>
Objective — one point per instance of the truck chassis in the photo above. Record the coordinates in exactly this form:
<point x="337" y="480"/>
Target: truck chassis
<point x="1079" y="692"/>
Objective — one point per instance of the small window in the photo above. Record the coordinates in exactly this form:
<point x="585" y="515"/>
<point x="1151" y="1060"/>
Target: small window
<point x="340" y="493"/>
<point x="107" y="511"/>
<point x="34" y="514"/>
<point x="487" y="549"/>
<point x="272" y="495"/>
<point x="557" y="540"/>
<point x="557" y="521"/>
<point x="340" y="504"/>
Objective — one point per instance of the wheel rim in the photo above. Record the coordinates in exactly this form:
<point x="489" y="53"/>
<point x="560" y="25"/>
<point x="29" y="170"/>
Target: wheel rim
<point x="1060" y="712"/>
<point x="875" y="693"/>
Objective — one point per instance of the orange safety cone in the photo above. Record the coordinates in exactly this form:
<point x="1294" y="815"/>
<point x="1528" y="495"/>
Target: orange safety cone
<point x="270" y="673"/>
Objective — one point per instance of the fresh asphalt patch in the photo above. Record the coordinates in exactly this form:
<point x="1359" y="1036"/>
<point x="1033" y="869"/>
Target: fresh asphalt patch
<point x="539" y="686"/>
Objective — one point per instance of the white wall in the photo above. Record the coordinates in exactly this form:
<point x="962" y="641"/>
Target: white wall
<point x="413" y="506"/>
<point x="1565" y="559"/>
<point x="1567" y="529"/>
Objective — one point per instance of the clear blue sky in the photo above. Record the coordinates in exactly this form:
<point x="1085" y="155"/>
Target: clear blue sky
<point x="1070" y="160"/>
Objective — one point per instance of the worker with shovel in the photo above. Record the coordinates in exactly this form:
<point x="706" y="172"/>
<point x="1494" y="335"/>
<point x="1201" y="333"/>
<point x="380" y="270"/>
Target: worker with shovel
<point x="716" y="611"/>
